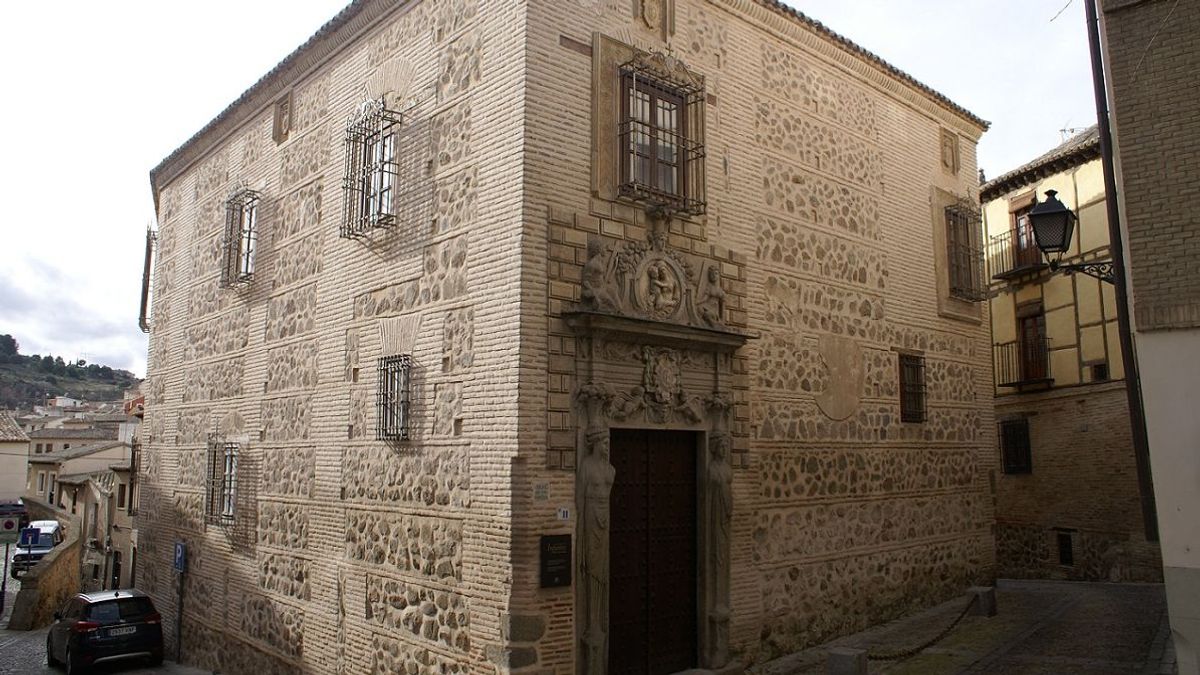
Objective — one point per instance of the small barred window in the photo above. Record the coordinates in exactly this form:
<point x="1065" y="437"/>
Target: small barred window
<point x="661" y="135"/>
<point x="964" y="254"/>
<point x="241" y="238"/>
<point x="392" y="398"/>
<point x="1015" y="451"/>
<point x="220" y="504"/>
<point x="369" y="184"/>
<point x="912" y="388"/>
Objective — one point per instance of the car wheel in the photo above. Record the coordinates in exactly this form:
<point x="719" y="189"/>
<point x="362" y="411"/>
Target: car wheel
<point x="73" y="668"/>
<point x="50" y="660"/>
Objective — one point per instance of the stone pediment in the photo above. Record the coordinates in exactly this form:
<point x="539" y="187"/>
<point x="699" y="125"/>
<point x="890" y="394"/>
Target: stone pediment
<point x="652" y="293"/>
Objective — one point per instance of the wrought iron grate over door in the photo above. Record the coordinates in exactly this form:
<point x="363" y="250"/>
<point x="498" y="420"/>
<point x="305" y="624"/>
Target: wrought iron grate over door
<point x="653" y="566"/>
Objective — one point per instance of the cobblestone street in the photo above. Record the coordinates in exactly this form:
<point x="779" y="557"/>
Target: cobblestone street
<point x="1042" y="628"/>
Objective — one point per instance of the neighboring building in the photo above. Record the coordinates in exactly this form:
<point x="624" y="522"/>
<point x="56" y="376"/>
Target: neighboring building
<point x="14" y="445"/>
<point x="578" y="302"/>
<point x="104" y="500"/>
<point x="1153" y="53"/>
<point x="44" y="470"/>
<point x="1067" y="497"/>
<point x="52" y="439"/>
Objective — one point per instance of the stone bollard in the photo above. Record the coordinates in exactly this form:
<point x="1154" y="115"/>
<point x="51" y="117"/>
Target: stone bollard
<point x="846" y="661"/>
<point x="985" y="600"/>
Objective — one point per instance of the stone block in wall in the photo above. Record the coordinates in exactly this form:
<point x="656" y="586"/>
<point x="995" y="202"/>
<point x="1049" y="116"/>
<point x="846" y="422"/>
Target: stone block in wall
<point x="950" y="381"/>
<point x="435" y="615"/>
<point x="445" y="267"/>
<point x="817" y="308"/>
<point x="389" y="300"/>
<point x="274" y="624"/>
<point x="226" y="333"/>
<point x="194" y="425"/>
<point x="299" y="212"/>
<point x="447" y="408"/>
<point x="298" y="261"/>
<point x="362" y="404"/>
<point x="852" y="472"/>
<point x="284" y="574"/>
<point x="205" y="298"/>
<point x="817" y="91"/>
<point x="458" y="340"/>
<point x="430" y="476"/>
<point x="310" y="104"/>
<point x="456" y="197"/>
<point x="211" y="174"/>
<point x="292" y="313"/>
<point x="801" y="420"/>
<point x="254" y="143"/>
<point x="818" y="145"/>
<point x="288" y="472"/>
<point x="189" y="510"/>
<point x="821" y="529"/>
<point x="451" y="16"/>
<point x="282" y="525"/>
<point x="430" y="547"/>
<point x="395" y="657"/>
<point x="708" y="37"/>
<point x="460" y="66"/>
<point x="809" y="603"/>
<point x="303" y="158"/>
<point x="819" y="201"/>
<point x="221" y="652"/>
<point x="292" y="366"/>
<point x="791" y="244"/>
<point x="192" y="470"/>
<point x="212" y="381"/>
<point x="286" y="419"/>
<point x="452" y="137"/>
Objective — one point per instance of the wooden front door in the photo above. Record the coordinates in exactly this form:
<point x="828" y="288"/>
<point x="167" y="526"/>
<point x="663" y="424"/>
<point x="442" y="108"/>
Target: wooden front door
<point x="652" y="553"/>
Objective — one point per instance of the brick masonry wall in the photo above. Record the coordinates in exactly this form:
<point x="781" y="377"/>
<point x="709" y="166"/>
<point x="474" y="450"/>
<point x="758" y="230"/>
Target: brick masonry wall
<point x="347" y="554"/>
<point x="1083" y="483"/>
<point x="820" y="177"/>
<point x="1153" y="47"/>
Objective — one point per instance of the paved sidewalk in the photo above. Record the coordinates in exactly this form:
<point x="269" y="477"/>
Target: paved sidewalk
<point x="1042" y="628"/>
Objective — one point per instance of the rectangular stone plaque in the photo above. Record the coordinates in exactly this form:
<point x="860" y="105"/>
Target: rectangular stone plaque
<point x="556" y="560"/>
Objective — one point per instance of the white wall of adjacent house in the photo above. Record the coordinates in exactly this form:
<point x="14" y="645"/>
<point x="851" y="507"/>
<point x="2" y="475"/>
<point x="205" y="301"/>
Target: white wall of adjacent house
<point x="12" y="470"/>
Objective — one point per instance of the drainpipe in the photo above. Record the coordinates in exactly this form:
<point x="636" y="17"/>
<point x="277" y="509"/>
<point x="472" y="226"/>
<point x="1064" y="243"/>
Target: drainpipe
<point x="1133" y="382"/>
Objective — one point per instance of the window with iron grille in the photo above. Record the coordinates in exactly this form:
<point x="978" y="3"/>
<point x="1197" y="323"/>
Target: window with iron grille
<point x="964" y="254"/>
<point x="241" y="237"/>
<point x="392" y="398"/>
<point x="912" y="388"/>
<point x="369" y="184"/>
<point x="220" y="504"/>
<point x="661" y="135"/>
<point x="1014" y="446"/>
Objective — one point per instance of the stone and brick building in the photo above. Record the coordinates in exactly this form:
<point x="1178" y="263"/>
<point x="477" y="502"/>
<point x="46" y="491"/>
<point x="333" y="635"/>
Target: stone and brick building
<point x="1152" y="52"/>
<point x="1067" y="499"/>
<point x="472" y="321"/>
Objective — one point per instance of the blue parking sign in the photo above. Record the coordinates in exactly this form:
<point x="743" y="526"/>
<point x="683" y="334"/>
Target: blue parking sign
<point x="180" y="557"/>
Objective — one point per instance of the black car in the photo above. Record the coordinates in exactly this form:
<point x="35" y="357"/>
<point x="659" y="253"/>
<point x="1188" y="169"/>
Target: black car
<point x="102" y="627"/>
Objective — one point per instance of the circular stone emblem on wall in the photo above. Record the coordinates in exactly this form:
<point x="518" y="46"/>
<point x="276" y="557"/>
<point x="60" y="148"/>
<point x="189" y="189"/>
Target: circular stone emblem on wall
<point x="659" y="288"/>
<point x="652" y="12"/>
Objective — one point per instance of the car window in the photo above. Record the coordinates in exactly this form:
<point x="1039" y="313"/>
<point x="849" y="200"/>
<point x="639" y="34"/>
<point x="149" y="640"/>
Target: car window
<point x="46" y="540"/>
<point x="123" y="609"/>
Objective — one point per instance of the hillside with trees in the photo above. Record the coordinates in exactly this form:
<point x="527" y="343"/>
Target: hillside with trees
<point x="26" y="381"/>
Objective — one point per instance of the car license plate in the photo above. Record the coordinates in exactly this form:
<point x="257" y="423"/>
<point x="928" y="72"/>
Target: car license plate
<point x="124" y="630"/>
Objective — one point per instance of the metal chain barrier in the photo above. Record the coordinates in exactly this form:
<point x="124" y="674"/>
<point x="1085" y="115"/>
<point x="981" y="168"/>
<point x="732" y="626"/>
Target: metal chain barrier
<point x="904" y="654"/>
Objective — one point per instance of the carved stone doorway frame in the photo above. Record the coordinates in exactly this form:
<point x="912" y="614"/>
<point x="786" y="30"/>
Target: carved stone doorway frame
<point x="640" y="373"/>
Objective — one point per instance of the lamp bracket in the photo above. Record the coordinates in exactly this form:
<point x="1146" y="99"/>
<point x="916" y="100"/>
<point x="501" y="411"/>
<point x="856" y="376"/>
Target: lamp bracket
<point x="1103" y="270"/>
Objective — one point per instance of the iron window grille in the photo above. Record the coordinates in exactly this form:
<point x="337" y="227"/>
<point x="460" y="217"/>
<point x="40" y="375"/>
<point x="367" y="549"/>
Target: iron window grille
<point x="370" y="182"/>
<point x="241" y="237"/>
<point x="964" y="253"/>
<point x="220" y="503"/>
<point x="1015" y="453"/>
<point x="392" y="398"/>
<point x="912" y="388"/>
<point x="661" y="135"/>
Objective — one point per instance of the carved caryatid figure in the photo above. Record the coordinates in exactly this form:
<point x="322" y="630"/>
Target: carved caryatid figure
<point x="710" y="298"/>
<point x="596" y="477"/>
<point x="599" y="287"/>
<point x="719" y="483"/>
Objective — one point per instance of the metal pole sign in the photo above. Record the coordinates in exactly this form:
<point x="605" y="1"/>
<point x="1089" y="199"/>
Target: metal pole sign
<point x="10" y="529"/>
<point x="4" y="580"/>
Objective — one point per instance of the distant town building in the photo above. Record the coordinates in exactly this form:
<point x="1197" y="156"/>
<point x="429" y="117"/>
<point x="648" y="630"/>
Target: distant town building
<point x="1067" y="496"/>
<point x="472" y="321"/>
<point x="14" y="446"/>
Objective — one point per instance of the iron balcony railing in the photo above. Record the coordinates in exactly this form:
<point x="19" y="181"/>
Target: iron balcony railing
<point x="1022" y="362"/>
<point x="1013" y="253"/>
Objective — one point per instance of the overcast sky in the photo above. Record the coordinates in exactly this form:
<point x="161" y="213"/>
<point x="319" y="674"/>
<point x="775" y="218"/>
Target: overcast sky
<point x="97" y="93"/>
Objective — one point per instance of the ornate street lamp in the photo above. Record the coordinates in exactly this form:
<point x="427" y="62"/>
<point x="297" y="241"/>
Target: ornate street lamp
<point x="1053" y="224"/>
